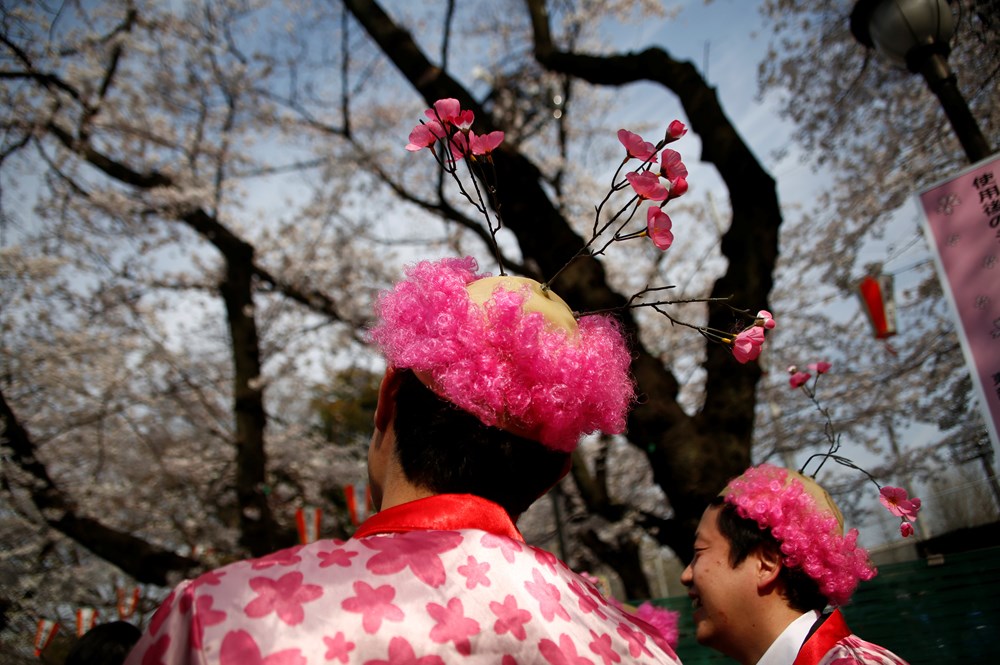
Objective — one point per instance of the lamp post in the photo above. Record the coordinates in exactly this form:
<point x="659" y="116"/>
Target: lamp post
<point x="915" y="34"/>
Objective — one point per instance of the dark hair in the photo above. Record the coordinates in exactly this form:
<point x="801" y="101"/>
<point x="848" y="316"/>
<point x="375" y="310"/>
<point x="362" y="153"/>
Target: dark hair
<point x="104" y="644"/>
<point x="447" y="450"/>
<point x="745" y="536"/>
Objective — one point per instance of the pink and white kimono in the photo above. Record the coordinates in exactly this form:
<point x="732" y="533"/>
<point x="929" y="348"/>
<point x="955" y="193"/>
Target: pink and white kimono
<point x="834" y="644"/>
<point x="447" y="579"/>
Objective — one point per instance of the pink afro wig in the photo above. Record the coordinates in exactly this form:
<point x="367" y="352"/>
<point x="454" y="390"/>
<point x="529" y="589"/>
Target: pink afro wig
<point x="664" y="620"/>
<point x="507" y="366"/>
<point x="810" y="537"/>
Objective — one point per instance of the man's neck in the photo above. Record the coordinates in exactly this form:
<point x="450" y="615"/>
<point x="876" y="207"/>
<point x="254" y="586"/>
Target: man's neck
<point x="390" y="485"/>
<point x="787" y="643"/>
<point x="769" y="623"/>
<point x="398" y="494"/>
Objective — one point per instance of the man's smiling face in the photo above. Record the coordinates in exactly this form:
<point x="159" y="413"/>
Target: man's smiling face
<point x="718" y="591"/>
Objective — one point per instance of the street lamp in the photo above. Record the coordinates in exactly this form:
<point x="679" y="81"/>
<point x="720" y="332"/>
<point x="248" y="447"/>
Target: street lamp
<point x="915" y="34"/>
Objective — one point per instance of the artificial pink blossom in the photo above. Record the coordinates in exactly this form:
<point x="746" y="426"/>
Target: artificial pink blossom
<point x="676" y="129"/>
<point x="658" y="228"/>
<point x="906" y="529"/>
<point x="747" y="345"/>
<point x="671" y="166"/>
<point x="896" y="502"/>
<point x="636" y="147"/>
<point x="765" y="320"/>
<point x="447" y="111"/>
<point x="425" y="134"/>
<point x="822" y="367"/>
<point x="798" y="379"/>
<point x="647" y="186"/>
<point x="485" y="144"/>
<point x="678" y="187"/>
<point x="459" y="144"/>
<point x="463" y="121"/>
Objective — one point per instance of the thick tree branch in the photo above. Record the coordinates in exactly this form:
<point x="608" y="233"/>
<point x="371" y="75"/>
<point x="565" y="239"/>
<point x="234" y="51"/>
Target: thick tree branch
<point x="750" y="245"/>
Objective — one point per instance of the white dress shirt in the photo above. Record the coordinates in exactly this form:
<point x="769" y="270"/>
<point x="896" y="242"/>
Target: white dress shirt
<point x="786" y="647"/>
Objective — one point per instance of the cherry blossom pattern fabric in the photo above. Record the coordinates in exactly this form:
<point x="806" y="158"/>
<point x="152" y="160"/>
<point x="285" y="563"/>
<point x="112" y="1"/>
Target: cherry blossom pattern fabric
<point x="832" y="643"/>
<point x="852" y="650"/>
<point x="415" y="598"/>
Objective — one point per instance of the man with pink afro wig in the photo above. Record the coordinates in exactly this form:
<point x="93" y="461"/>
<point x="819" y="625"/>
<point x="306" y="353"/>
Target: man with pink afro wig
<point x="511" y="378"/>
<point x="490" y="383"/>
<point x="770" y="554"/>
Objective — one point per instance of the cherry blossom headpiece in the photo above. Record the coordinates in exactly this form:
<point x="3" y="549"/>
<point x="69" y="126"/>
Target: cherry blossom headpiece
<point x="808" y="525"/>
<point x="803" y="517"/>
<point x="659" y="178"/>
<point x="508" y="349"/>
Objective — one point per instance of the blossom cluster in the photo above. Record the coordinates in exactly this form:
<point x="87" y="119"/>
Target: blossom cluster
<point x="667" y="183"/>
<point x="799" y="378"/>
<point x="747" y="344"/>
<point x="897" y="503"/>
<point x="447" y="120"/>
<point x="448" y="123"/>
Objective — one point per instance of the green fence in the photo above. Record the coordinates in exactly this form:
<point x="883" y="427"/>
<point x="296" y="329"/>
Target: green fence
<point x="943" y="610"/>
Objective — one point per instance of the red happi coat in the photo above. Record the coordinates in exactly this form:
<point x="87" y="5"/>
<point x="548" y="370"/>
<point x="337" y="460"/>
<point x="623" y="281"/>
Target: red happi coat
<point x="833" y="644"/>
<point x="447" y="579"/>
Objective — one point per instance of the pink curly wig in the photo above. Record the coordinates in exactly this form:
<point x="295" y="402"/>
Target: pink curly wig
<point x="507" y="366"/>
<point x="810" y="537"/>
<point x="664" y="620"/>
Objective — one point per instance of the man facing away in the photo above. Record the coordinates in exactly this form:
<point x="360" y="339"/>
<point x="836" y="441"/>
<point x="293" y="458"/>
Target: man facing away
<point x="490" y="384"/>
<point x="770" y="555"/>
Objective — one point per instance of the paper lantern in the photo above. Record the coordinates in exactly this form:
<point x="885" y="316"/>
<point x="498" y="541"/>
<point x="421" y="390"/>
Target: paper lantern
<point x="86" y="618"/>
<point x="308" y="521"/>
<point x="127" y="602"/>
<point x="879" y="303"/>
<point x="359" y="497"/>
<point x="43" y="636"/>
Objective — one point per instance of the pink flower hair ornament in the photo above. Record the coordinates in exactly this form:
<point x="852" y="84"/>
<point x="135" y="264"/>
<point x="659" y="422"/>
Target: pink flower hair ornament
<point x="802" y="516"/>
<point x="806" y="523"/>
<point x="447" y="134"/>
<point x="507" y="351"/>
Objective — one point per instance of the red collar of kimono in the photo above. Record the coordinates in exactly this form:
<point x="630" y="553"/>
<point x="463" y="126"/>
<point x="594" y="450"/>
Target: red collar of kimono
<point x="832" y="630"/>
<point x="442" y="512"/>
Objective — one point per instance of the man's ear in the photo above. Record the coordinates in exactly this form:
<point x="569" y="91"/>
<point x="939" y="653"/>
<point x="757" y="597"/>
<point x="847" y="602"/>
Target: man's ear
<point x="769" y="564"/>
<point x="385" y="410"/>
